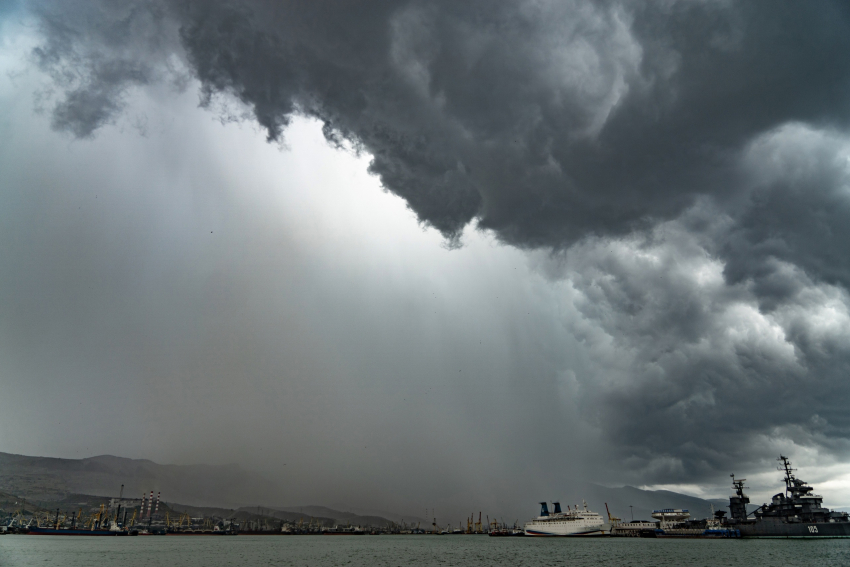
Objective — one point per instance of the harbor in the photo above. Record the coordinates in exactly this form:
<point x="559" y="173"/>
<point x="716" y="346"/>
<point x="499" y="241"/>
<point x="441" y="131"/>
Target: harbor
<point x="794" y="513"/>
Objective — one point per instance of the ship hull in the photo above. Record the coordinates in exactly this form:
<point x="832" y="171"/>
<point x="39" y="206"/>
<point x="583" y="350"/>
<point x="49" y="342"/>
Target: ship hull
<point x="52" y="531"/>
<point x="533" y="533"/>
<point x="697" y="534"/>
<point x="211" y="533"/>
<point x="780" y="529"/>
<point x="581" y="532"/>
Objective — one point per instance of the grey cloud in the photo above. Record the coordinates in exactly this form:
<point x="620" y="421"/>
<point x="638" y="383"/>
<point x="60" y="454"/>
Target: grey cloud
<point x="543" y="123"/>
<point x="796" y="212"/>
<point x="690" y="374"/>
<point x="727" y="325"/>
<point x="684" y="160"/>
<point x="95" y="52"/>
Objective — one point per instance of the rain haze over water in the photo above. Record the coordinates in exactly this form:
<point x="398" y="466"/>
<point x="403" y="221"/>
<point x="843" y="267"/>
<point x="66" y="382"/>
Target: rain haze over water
<point x="410" y="255"/>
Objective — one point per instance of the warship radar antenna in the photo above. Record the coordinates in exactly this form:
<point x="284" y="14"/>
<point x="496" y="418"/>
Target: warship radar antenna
<point x="738" y="485"/>
<point x="789" y="472"/>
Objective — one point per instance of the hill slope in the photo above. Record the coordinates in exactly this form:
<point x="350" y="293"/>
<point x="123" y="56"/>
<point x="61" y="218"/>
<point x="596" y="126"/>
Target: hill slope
<point x="45" y="478"/>
<point x="339" y="517"/>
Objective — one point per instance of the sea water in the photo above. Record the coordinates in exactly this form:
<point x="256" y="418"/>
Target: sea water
<point x="387" y="550"/>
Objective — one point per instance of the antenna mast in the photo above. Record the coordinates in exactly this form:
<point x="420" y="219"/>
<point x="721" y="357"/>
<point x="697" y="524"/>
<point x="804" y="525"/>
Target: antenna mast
<point x="789" y="472"/>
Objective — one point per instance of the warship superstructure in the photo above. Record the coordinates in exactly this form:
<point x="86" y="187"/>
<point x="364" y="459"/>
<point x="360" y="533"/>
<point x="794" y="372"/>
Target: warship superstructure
<point x="794" y="513"/>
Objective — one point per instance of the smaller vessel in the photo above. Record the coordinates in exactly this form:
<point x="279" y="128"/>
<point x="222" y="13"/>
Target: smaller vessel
<point x="213" y="532"/>
<point x="343" y="530"/>
<point x="577" y="522"/>
<point x="100" y="527"/>
<point x="677" y="523"/>
<point x="635" y="528"/>
<point x="506" y="532"/>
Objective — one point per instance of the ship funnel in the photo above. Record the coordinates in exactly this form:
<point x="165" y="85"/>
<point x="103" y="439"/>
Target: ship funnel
<point x="557" y="506"/>
<point x="544" y="509"/>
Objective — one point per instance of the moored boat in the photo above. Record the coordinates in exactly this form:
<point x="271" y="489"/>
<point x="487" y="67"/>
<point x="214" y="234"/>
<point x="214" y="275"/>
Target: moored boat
<point x="570" y="523"/>
<point x="35" y="530"/>
<point x="343" y="530"/>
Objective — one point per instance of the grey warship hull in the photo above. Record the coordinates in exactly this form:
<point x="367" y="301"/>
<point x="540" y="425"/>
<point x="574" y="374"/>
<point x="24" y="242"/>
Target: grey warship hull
<point x="780" y="529"/>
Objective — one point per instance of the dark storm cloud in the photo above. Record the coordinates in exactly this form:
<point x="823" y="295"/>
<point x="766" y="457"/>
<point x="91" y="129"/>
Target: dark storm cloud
<point x="693" y="374"/>
<point x="797" y="211"/>
<point x="543" y="122"/>
<point x="683" y="158"/>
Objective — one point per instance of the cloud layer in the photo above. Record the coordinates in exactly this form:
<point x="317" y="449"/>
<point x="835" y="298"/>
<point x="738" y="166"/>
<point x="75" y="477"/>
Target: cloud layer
<point x="678" y="170"/>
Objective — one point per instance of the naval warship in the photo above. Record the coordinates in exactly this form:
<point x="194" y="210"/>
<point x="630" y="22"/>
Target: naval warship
<point x="795" y="513"/>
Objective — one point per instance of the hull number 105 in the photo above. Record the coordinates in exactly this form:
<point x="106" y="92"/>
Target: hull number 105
<point x="813" y="529"/>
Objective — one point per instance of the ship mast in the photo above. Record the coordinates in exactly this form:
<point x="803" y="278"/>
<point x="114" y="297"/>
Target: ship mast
<point x="789" y="472"/>
<point x="738" y="503"/>
<point x="738" y="485"/>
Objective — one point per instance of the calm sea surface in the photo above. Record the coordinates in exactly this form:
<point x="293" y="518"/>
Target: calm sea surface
<point x="379" y="551"/>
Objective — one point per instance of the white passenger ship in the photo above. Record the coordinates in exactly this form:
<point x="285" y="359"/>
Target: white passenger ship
<point x="570" y="523"/>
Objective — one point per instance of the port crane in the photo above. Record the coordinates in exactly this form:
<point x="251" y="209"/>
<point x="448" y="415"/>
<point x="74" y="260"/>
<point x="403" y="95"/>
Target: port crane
<point x="613" y="520"/>
<point x="185" y="518"/>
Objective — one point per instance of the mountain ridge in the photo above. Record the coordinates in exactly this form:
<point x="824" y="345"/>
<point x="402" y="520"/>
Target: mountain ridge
<point x="51" y="478"/>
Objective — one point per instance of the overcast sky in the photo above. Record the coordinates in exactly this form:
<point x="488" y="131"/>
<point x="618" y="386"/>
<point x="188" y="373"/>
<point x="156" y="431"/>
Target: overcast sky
<point x="413" y="254"/>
